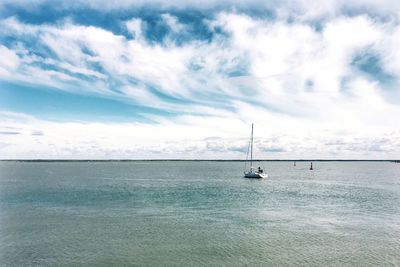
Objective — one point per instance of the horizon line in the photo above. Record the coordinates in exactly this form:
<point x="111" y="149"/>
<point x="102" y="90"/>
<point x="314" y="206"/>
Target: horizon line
<point x="227" y="160"/>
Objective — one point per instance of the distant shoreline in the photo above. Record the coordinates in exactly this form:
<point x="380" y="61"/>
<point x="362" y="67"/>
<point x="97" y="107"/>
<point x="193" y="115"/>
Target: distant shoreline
<point x="217" y="160"/>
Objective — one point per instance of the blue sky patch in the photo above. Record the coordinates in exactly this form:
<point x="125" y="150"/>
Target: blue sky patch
<point x="370" y="64"/>
<point x="56" y="105"/>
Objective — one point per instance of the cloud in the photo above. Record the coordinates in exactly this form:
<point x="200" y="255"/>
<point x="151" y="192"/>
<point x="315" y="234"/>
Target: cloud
<point x="9" y="61"/>
<point x="9" y="133"/>
<point x="134" y="27"/>
<point x="37" y="133"/>
<point x="258" y="60"/>
<point x="172" y="22"/>
<point x="300" y="73"/>
<point x="81" y="140"/>
<point x="233" y="146"/>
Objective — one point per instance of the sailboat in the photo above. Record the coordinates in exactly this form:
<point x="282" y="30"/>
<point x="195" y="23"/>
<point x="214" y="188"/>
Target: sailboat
<point x="253" y="172"/>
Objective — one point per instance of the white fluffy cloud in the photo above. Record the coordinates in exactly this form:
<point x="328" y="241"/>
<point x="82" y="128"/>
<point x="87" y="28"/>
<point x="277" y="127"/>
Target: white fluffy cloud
<point x="189" y="138"/>
<point x="9" y="61"/>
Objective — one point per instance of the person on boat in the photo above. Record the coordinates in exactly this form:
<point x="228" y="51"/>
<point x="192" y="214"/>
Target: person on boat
<point x="260" y="170"/>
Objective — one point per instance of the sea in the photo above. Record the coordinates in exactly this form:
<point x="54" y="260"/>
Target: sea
<point x="199" y="213"/>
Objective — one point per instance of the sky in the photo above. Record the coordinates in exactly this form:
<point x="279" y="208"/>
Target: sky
<point x="181" y="79"/>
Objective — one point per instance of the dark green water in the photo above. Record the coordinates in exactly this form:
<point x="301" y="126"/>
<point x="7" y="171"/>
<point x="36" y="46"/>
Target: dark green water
<point x="199" y="214"/>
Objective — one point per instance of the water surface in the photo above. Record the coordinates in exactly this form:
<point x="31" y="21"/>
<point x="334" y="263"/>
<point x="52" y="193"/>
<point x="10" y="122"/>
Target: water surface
<point x="199" y="213"/>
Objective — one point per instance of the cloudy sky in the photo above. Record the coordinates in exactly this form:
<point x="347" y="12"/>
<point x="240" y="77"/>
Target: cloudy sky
<point x="185" y="79"/>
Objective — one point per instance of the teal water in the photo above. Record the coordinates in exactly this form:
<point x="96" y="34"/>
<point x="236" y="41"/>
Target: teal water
<point x="199" y="214"/>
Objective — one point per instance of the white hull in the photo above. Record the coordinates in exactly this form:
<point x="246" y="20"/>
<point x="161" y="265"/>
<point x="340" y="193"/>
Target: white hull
<point x="255" y="175"/>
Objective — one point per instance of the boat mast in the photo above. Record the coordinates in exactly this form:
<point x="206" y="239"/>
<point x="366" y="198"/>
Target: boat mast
<point x="251" y="148"/>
